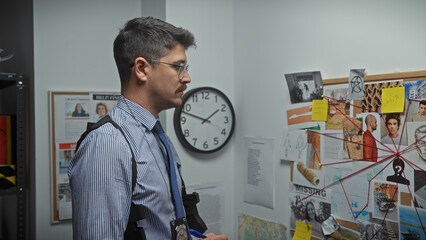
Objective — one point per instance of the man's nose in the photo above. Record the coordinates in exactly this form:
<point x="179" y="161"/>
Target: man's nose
<point x="186" y="78"/>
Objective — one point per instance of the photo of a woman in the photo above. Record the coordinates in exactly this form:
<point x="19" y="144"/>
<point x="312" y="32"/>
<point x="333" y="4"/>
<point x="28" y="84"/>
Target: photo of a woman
<point x="79" y="111"/>
<point x="101" y="109"/>
<point x="311" y="217"/>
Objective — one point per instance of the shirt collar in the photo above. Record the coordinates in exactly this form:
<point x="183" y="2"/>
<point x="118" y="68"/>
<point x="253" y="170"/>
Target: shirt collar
<point x="141" y="114"/>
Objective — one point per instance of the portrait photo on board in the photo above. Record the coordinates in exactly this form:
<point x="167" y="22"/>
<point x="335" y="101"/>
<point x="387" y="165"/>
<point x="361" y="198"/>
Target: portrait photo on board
<point x="76" y="109"/>
<point x="305" y="86"/>
<point x="392" y="131"/>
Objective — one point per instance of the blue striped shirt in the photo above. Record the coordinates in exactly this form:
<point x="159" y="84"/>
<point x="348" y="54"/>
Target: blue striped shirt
<point x="100" y="176"/>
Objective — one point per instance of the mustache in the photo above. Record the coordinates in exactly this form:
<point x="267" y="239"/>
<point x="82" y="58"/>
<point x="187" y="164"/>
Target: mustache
<point x="182" y="88"/>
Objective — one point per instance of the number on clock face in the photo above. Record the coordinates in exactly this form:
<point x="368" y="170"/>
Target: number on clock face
<point x="205" y="121"/>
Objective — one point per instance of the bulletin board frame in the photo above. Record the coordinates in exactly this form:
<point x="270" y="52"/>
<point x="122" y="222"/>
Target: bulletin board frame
<point x="53" y="115"/>
<point x="404" y="76"/>
<point x="66" y="124"/>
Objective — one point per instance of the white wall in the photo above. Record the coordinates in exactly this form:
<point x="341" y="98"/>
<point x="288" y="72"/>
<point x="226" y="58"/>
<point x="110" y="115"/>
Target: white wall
<point x="275" y="37"/>
<point x="211" y="64"/>
<point x="73" y="52"/>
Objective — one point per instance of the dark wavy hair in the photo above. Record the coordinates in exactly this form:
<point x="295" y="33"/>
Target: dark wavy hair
<point x="306" y="212"/>
<point x="149" y="38"/>
<point x="393" y="116"/>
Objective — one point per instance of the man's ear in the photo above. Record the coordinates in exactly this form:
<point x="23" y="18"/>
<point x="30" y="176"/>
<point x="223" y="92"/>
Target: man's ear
<point x="141" y="68"/>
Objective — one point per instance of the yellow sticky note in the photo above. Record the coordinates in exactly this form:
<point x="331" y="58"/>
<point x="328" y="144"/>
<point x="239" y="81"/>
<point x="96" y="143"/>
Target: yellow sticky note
<point x="393" y="100"/>
<point x="303" y="231"/>
<point x="319" y="110"/>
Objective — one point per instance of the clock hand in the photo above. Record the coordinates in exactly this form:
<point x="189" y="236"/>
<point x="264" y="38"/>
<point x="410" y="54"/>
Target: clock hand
<point x="190" y="114"/>
<point x="207" y="119"/>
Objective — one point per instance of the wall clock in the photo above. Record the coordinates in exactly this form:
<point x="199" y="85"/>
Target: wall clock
<point x="205" y="121"/>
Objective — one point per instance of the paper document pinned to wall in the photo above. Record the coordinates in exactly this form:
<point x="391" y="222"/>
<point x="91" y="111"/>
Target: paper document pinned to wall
<point x="259" y="177"/>
<point x="211" y="207"/>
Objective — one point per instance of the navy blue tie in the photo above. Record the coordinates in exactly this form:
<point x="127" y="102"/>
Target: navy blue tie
<point x="158" y="129"/>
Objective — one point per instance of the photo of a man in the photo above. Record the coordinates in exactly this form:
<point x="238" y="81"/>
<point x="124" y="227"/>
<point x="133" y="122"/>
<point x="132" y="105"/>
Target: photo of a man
<point x="420" y="115"/>
<point x="370" y="147"/>
<point x="393" y="123"/>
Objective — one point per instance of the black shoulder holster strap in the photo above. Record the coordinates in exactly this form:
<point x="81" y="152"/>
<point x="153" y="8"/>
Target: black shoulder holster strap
<point x="137" y="212"/>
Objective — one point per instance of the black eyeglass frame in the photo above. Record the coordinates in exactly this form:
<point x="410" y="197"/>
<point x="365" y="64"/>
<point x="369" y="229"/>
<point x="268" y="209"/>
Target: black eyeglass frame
<point x="183" y="67"/>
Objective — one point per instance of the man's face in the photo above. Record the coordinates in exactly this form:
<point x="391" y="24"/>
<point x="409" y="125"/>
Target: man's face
<point x="422" y="109"/>
<point x="392" y="125"/>
<point x="165" y="88"/>
<point x="374" y="124"/>
<point x="421" y="145"/>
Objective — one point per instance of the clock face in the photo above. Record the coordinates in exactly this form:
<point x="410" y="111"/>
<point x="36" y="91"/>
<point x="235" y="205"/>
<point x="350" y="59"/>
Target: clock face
<point x="205" y="120"/>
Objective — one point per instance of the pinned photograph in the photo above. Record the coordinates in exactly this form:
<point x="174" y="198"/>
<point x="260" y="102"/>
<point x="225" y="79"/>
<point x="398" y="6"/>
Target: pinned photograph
<point x="414" y="89"/>
<point x="102" y="103"/>
<point x="417" y="110"/>
<point x="310" y="205"/>
<point x="392" y="130"/>
<point x="384" y="199"/>
<point x="353" y="139"/>
<point x="371" y="136"/>
<point x="305" y="86"/>
<point x="391" y="229"/>
<point x="370" y="231"/>
<point x="76" y="110"/>
<point x="338" y="107"/>
<point x="356" y="84"/>
<point x="420" y="189"/>
<point x="410" y="225"/>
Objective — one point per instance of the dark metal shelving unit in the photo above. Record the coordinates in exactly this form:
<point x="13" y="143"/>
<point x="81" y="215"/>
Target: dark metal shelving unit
<point x="15" y="82"/>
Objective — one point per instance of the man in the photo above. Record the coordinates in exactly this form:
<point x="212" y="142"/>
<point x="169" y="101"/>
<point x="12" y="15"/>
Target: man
<point x="421" y="114"/>
<point x="392" y="124"/>
<point x="368" y="140"/>
<point x="420" y="136"/>
<point x="151" y="61"/>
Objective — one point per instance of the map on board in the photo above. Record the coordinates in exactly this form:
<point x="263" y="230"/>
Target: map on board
<point x="252" y="228"/>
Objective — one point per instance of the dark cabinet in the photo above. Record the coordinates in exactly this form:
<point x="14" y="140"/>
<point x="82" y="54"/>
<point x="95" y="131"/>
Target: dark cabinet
<point x="13" y="103"/>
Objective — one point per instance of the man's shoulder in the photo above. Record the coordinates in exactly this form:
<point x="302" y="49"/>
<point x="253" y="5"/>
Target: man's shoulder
<point x="107" y="130"/>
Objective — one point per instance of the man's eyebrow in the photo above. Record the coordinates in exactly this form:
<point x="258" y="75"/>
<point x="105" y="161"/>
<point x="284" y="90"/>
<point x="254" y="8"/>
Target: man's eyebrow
<point x="181" y="61"/>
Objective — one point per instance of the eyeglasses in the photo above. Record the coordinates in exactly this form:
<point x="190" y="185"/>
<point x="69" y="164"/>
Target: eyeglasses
<point x="183" y="67"/>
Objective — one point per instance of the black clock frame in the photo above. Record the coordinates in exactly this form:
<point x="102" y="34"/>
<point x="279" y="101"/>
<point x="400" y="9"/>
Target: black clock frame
<point x="177" y="118"/>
